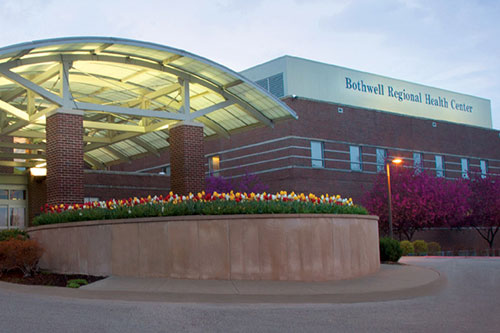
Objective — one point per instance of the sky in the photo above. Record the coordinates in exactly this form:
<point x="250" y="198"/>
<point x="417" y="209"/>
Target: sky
<point x="449" y="44"/>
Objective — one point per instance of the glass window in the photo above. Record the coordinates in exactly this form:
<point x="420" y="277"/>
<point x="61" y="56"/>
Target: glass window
<point x="465" y="167"/>
<point x="214" y="165"/>
<point x="418" y="164"/>
<point x="439" y="166"/>
<point x="17" y="195"/>
<point x="165" y="170"/>
<point x="4" y="194"/>
<point x="484" y="167"/>
<point x="381" y="157"/>
<point x="317" y="154"/>
<point x="17" y="216"/>
<point x="3" y="216"/>
<point x="356" y="163"/>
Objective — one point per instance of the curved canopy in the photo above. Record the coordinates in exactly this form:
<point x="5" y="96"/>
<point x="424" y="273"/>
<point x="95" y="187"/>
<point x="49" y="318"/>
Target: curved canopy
<point x="130" y="92"/>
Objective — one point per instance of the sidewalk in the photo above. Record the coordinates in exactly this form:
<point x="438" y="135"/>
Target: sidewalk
<point x="390" y="283"/>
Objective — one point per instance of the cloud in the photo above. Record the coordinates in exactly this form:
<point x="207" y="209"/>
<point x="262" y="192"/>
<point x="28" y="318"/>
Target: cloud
<point x="450" y="44"/>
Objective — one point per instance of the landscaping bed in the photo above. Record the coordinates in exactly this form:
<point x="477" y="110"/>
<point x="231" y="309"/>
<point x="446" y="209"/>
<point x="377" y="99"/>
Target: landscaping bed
<point x="200" y="204"/>
<point x="46" y="278"/>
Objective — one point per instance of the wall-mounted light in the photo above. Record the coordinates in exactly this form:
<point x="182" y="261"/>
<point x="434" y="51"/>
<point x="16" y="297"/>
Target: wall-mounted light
<point x="38" y="172"/>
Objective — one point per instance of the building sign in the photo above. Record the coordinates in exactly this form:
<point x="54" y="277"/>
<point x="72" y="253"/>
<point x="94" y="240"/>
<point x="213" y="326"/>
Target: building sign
<point x="334" y="84"/>
<point x="405" y="96"/>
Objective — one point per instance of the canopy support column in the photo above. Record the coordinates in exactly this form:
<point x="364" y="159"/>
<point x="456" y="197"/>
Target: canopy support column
<point x="64" y="134"/>
<point x="187" y="158"/>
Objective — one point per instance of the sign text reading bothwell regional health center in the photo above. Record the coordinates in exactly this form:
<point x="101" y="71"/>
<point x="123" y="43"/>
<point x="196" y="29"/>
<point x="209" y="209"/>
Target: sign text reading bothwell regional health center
<point x="405" y="96"/>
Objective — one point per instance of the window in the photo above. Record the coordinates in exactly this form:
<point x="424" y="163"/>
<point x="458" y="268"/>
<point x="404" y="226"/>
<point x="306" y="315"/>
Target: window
<point x="439" y="166"/>
<point x="418" y="163"/>
<point x="17" y="194"/>
<point x="17" y="217"/>
<point x="165" y="170"/>
<point x="4" y="194"/>
<point x="465" y="167"/>
<point x="90" y="199"/>
<point x="4" y="221"/>
<point x="13" y="206"/>
<point x="19" y="170"/>
<point x="356" y="163"/>
<point x="214" y="166"/>
<point x="484" y="167"/>
<point x="381" y="157"/>
<point x="317" y="154"/>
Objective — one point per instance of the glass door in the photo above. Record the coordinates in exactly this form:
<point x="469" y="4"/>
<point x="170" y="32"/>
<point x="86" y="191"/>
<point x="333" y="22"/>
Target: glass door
<point x="13" y="206"/>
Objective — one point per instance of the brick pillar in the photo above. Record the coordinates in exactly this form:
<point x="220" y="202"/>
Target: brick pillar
<point x="187" y="158"/>
<point x="37" y="196"/>
<point x="64" y="134"/>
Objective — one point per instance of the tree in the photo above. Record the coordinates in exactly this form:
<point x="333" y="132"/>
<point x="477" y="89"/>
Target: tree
<point x="484" y="203"/>
<point x="419" y="200"/>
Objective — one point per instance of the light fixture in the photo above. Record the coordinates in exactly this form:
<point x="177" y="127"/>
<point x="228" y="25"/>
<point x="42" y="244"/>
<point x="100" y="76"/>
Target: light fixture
<point x="397" y="160"/>
<point x="38" y="172"/>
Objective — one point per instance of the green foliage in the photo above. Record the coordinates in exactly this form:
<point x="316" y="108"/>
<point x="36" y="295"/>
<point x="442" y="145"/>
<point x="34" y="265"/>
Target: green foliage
<point x="390" y="250"/>
<point x="13" y="233"/>
<point x="197" y="208"/>
<point x="76" y="283"/>
<point x="407" y="247"/>
<point x="434" y="247"/>
<point x="420" y="246"/>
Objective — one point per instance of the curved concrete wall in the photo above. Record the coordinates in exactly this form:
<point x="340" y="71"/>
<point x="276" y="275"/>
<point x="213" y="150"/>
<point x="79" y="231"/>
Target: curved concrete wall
<point x="244" y="247"/>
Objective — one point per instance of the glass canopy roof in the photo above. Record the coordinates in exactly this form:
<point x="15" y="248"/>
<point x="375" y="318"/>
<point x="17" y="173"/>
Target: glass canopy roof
<point x="130" y="92"/>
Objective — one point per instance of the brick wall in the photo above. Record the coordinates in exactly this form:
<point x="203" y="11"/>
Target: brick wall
<point x="457" y="240"/>
<point x="187" y="159"/>
<point x="367" y="128"/>
<point x="64" y="133"/>
<point x="120" y="185"/>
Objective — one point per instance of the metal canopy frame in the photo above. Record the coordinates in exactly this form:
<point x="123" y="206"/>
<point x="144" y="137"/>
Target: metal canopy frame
<point x="130" y="92"/>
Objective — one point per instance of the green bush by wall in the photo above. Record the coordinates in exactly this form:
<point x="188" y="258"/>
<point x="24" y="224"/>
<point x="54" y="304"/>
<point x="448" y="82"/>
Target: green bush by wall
<point x="390" y="249"/>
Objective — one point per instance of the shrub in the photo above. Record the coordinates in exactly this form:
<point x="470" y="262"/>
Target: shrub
<point x="407" y="247"/>
<point x="76" y="283"/>
<point x="434" y="247"/>
<point x="19" y="254"/>
<point x="218" y="184"/>
<point x="390" y="250"/>
<point x="13" y="233"/>
<point x="420" y="246"/>
<point x="246" y="183"/>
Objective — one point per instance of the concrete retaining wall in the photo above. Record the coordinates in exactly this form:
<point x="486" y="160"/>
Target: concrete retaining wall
<point x="243" y="247"/>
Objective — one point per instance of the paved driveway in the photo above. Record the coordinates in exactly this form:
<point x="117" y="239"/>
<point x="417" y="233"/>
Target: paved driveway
<point x="470" y="302"/>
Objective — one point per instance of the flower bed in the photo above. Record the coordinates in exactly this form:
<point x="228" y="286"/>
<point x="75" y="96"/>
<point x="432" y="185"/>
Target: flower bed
<point x="199" y="204"/>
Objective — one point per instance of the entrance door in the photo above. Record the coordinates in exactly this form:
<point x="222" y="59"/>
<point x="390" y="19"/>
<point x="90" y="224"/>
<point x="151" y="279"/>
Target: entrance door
<point x="13" y="202"/>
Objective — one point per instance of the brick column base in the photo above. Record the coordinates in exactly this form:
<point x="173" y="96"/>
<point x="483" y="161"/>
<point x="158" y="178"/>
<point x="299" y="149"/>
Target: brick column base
<point x="64" y="133"/>
<point x="187" y="158"/>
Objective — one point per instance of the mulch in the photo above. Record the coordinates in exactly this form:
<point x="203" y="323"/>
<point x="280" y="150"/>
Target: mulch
<point x="46" y="278"/>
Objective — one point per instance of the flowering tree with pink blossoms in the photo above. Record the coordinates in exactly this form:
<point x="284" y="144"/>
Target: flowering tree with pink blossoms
<point x="484" y="203"/>
<point x="419" y="200"/>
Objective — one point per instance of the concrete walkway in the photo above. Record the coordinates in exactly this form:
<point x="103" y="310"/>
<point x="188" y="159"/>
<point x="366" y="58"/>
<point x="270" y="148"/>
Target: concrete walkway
<point x="390" y="283"/>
